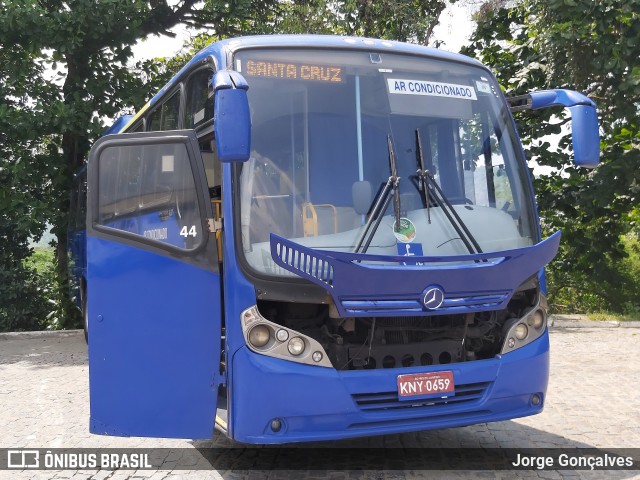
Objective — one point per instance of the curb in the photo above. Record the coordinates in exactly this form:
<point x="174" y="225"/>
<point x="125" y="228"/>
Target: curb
<point x="44" y="334"/>
<point x="582" y="321"/>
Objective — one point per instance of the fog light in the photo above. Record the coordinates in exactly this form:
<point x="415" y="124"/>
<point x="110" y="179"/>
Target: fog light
<point x="259" y="335"/>
<point x="317" y="356"/>
<point x="521" y="331"/>
<point x="511" y="342"/>
<point x="282" y="335"/>
<point x="536" y="320"/>
<point x="276" y="425"/>
<point x="535" y="399"/>
<point x="296" y="346"/>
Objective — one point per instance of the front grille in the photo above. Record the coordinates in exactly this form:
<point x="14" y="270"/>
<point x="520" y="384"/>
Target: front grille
<point x="454" y="302"/>
<point x="385" y="401"/>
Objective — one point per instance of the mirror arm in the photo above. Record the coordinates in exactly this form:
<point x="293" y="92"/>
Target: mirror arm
<point x="518" y="103"/>
<point x="548" y="98"/>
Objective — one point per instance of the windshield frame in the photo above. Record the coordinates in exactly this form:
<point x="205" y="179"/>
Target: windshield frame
<point x="271" y="286"/>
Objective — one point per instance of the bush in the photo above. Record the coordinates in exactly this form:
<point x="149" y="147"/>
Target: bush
<point x="616" y="291"/>
<point x="30" y="297"/>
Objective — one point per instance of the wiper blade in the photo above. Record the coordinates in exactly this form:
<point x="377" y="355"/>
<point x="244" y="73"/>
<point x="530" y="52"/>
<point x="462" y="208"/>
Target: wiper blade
<point x="423" y="177"/>
<point x="430" y="188"/>
<point x="396" y="183"/>
<point x="381" y="203"/>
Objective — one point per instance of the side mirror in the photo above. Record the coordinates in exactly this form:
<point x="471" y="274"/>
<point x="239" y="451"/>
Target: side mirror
<point x="231" y="117"/>
<point x="585" y="135"/>
<point x="585" y="132"/>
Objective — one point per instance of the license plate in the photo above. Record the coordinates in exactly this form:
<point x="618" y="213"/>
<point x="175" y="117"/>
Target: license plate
<point x="425" y="385"/>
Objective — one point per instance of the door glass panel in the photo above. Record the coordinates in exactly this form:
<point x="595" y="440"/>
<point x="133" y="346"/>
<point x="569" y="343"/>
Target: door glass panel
<point x="149" y="191"/>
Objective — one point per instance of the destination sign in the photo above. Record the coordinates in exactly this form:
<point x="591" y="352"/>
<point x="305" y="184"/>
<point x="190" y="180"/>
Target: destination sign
<point x="295" y="71"/>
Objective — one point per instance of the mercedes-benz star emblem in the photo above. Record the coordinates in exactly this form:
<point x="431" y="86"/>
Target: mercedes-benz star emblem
<point x="433" y="298"/>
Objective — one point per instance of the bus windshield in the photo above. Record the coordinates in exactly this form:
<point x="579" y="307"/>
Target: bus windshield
<point x="324" y="126"/>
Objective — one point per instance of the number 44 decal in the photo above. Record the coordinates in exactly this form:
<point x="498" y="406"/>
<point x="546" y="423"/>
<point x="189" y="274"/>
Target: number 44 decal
<point x="188" y="231"/>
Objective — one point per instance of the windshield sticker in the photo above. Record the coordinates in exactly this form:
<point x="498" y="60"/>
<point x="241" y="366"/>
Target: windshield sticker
<point x="295" y="71"/>
<point x="432" y="89"/>
<point x="483" y="87"/>
<point x="407" y="231"/>
<point x="410" y="250"/>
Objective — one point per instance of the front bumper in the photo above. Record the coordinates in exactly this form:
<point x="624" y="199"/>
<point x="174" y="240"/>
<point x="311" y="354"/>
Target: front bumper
<point x="315" y="403"/>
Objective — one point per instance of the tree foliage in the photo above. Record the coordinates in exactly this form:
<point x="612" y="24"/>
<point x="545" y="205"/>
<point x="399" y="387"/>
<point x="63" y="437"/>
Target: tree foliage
<point x="24" y="193"/>
<point x="402" y="20"/>
<point x="65" y="68"/>
<point x="594" y="47"/>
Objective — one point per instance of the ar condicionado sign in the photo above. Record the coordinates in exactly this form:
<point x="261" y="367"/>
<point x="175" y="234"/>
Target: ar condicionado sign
<point x="294" y="71"/>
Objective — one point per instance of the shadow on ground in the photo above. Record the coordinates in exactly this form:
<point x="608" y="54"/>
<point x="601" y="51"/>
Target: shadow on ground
<point x="487" y="447"/>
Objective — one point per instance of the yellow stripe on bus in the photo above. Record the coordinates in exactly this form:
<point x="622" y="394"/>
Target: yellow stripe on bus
<point x="136" y="116"/>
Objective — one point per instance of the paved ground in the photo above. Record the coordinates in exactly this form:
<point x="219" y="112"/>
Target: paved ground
<point x="593" y="401"/>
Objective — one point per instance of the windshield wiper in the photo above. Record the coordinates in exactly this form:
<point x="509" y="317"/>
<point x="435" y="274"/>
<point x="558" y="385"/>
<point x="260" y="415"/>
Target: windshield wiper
<point x="430" y="189"/>
<point x="381" y="203"/>
<point x="423" y="177"/>
<point x="396" y="183"/>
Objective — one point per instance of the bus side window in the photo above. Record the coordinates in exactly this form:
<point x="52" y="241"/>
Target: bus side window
<point x="171" y="113"/>
<point x="165" y="117"/>
<point x="199" y="99"/>
<point x="149" y="191"/>
<point x="153" y="121"/>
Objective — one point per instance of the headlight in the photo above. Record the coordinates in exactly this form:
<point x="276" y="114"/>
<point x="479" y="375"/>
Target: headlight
<point x="259" y="336"/>
<point x="521" y="331"/>
<point x="296" y="346"/>
<point x="273" y="340"/>
<point x="536" y="320"/>
<point x="282" y="335"/>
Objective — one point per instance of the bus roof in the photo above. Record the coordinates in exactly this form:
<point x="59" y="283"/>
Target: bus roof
<point x="221" y="50"/>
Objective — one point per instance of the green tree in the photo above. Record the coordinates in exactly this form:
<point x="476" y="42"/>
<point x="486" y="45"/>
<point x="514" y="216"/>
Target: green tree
<point x="592" y="46"/>
<point x="64" y="69"/>
<point x="24" y="190"/>
<point x="402" y="20"/>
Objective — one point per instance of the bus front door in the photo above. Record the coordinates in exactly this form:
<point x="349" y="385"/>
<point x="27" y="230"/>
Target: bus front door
<point x="153" y="288"/>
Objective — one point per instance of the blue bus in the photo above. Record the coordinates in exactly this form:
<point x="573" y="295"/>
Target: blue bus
<point x="306" y="238"/>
